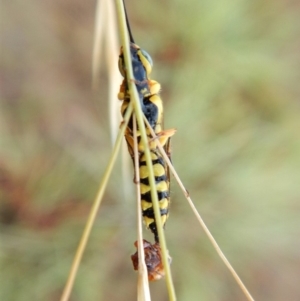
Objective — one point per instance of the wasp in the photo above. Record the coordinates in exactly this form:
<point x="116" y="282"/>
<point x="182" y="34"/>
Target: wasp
<point x="152" y="108"/>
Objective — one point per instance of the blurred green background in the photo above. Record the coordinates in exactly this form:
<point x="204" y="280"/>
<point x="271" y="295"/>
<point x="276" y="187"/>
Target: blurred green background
<point x="230" y="75"/>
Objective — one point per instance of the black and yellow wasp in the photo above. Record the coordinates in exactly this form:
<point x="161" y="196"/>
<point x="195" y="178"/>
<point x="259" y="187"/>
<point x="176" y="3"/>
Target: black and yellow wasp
<point x="152" y="108"/>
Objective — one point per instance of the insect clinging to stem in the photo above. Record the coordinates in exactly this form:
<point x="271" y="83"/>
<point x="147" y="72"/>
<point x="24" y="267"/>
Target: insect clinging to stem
<point x="152" y="109"/>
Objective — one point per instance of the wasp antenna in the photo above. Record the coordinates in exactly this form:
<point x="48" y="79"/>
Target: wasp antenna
<point x="127" y="23"/>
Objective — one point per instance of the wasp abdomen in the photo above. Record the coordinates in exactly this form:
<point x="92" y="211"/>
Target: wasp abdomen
<point x="162" y="189"/>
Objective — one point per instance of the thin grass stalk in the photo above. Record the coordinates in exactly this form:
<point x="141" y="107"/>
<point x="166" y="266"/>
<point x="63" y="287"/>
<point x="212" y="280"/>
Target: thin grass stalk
<point x="199" y="218"/>
<point x="106" y="37"/>
<point x="161" y="234"/>
<point x="96" y="204"/>
<point x="98" y="37"/>
<point x="139" y="117"/>
<point x="143" y="291"/>
<point x="114" y="76"/>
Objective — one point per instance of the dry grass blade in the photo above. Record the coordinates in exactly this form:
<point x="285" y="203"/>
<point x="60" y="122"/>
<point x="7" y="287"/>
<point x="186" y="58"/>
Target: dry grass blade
<point x="106" y="45"/>
<point x="143" y="291"/>
<point x="95" y="208"/>
<point x="106" y="38"/>
<point x="199" y="218"/>
<point x="98" y="37"/>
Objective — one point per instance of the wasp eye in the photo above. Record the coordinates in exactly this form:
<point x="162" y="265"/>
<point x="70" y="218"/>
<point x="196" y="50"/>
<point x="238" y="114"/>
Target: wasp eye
<point x="147" y="57"/>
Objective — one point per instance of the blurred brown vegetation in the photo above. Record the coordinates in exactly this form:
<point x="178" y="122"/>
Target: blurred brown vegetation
<point x="230" y="77"/>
